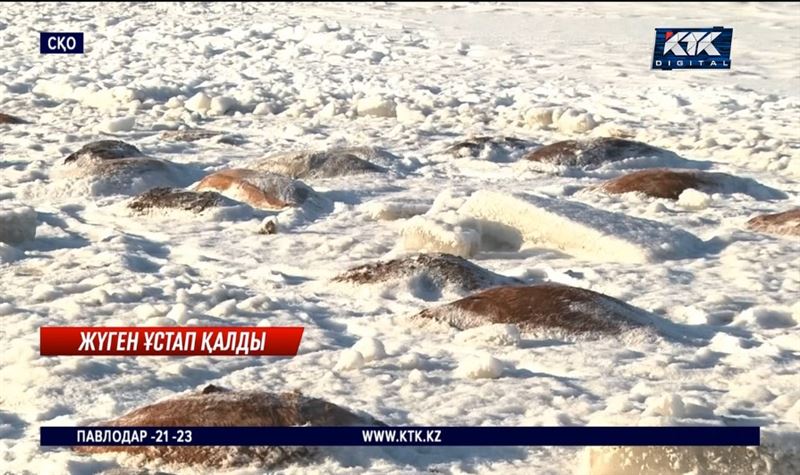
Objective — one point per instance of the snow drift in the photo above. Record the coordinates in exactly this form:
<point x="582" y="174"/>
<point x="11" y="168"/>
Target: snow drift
<point x="489" y="219"/>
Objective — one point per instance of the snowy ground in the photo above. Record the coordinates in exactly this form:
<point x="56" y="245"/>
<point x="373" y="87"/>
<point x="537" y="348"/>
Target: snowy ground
<point x="293" y="77"/>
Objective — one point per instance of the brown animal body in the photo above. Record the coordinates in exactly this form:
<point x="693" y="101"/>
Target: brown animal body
<point x="10" y="119"/>
<point x="322" y="164"/>
<point x="565" y="309"/>
<point x="175" y="198"/>
<point x="258" y="189"/>
<point x="218" y="407"/>
<point x="443" y="269"/>
<point x="473" y="146"/>
<point x="188" y="135"/>
<point x="786" y="223"/>
<point x="669" y="184"/>
<point x="105" y="150"/>
<point x="659" y="182"/>
<point x="115" y="166"/>
<point x="593" y="152"/>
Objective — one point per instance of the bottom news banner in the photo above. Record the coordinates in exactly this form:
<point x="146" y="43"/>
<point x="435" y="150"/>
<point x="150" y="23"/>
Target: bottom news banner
<point x="284" y="342"/>
<point x="444" y="436"/>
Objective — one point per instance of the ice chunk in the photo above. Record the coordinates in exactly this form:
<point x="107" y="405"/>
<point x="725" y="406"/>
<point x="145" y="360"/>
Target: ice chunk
<point x="539" y="117"/>
<point x="432" y="234"/>
<point x="766" y="317"/>
<point x="572" y="121"/>
<point x="370" y="348"/>
<point x="580" y="230"/>
<point x="408" y="115"/>
<point x="222" y="104"/>
<point x="480" y="366"/>
<point x="391" y="211"/>
<point x="123" y="124"/>
<point x="411" y="360"/>
<point x="376" y="106"/>
<point x="494" y="334"/>
<point x="694" y="199"/>
<point x="349" y="359"/>
<point x="198" y="103"/>
<point x="174" y="103"/>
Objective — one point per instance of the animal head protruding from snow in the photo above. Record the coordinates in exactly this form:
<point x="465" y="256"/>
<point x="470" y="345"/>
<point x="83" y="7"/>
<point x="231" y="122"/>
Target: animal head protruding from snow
<point x="257" y="188"/>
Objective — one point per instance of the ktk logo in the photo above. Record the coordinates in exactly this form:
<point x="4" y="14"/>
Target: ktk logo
<point x="696" y="43"/>
<point x="693" y="48"/>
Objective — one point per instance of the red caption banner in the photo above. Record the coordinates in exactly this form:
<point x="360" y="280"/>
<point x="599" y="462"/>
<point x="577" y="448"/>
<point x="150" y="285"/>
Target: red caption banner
<point x="169" y="341"/>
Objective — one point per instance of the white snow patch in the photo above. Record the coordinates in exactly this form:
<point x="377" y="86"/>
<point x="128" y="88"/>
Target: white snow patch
<point x="539" y="117"/>
<point x="371" y="349"/>
<point x="349" y="359"/>
<point x="45" y="293"/>
<point x="200" y="102"/>
<point x="391" y="211"/>
<point x="224" y="309"/>
<point x="496" y="334"/>
<point x="263" y="108"/>
<point x="571" y="121"/>
<point x="123" y="124"/>
<point x="146" y="311"/>
<point x="724" y="343"/>
<point x="408" y="115"/>
<point x="416" y="376"/>
<point x="767" y="317"/>
<point x="666" y="405"/>
<point x="92" y="96"/>
<point x="694" y="199"/>
<point x="479" y="366"/>
<point x="222" y="104"/>
<point x="174" y="103"/>
<point x="411" y="360"/>
<point x="376" y="106"/>
<point x="768" y="458"/>
<point x="441" y="234"/>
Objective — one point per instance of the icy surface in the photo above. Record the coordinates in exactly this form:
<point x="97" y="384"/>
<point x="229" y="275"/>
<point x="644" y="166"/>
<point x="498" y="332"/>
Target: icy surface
<point x="413" y="79"/>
